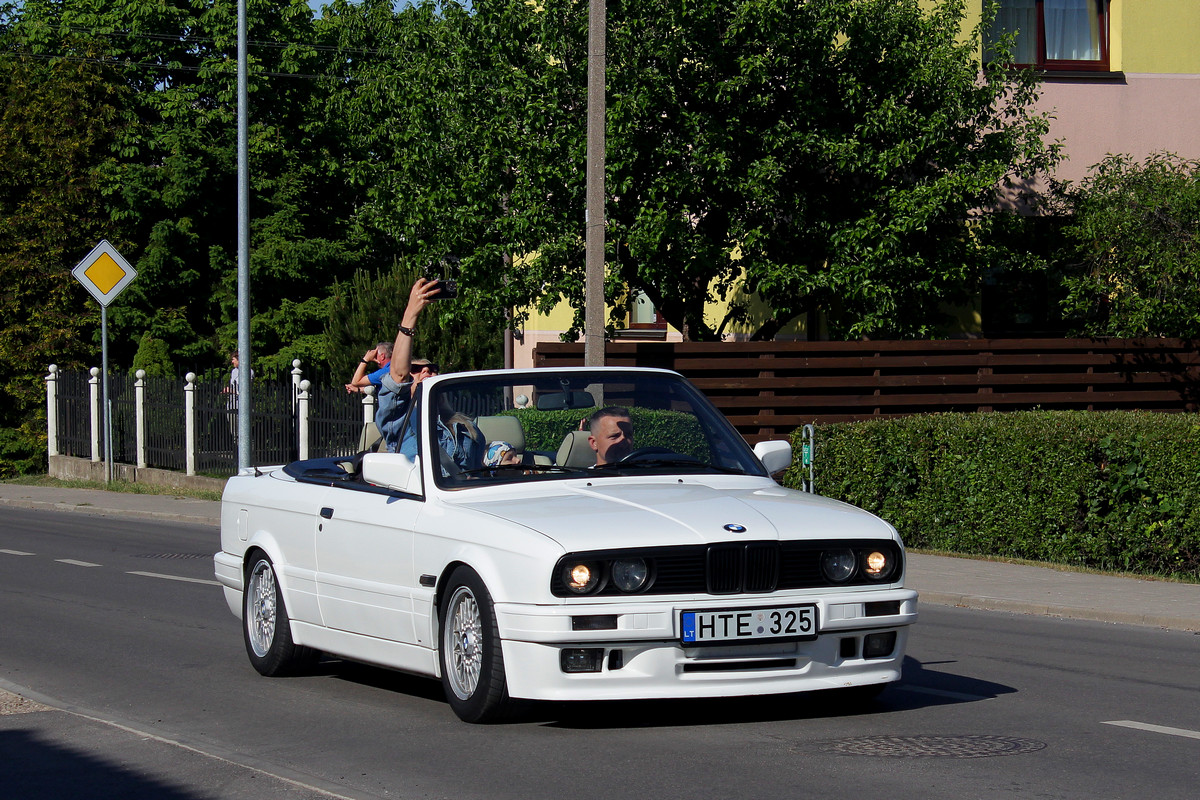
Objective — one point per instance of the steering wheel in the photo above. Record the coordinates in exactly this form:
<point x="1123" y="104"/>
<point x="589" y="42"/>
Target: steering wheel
<point x="643" y="452"/>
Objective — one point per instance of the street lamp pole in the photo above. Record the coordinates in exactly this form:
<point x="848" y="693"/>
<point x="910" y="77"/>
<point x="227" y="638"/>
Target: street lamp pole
<point x="593" y="321"/>
<point x="243" y="247"/>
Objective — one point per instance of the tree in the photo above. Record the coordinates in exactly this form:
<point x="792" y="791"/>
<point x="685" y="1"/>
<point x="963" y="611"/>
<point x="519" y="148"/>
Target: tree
<point x="1133" y="267"/>
<point x="367" y="308"/>
<point x="830" y="155"/>
<point x="57" y="120"/>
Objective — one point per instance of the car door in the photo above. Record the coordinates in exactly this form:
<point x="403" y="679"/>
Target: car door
<point x="364" y="554"/>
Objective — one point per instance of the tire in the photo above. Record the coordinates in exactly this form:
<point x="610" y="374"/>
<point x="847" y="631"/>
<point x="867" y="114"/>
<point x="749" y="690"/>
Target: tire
<point x="471" y="659"/>
<point x="265" y="624"/>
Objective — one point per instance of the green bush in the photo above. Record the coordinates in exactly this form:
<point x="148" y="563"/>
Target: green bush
<point x="675" y="430"/>
<point x="1110" y="490"/>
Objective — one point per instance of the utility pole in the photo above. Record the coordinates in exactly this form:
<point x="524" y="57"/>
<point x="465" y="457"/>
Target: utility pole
<point x="243" y="246"/>
<point x="594" y="316"/>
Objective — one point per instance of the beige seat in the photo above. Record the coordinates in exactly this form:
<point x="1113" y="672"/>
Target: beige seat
<point x="575" y="452"/>
<point x="507" y="429"/>
<point x="502" y="429"/>
<point x="371" y="437"/>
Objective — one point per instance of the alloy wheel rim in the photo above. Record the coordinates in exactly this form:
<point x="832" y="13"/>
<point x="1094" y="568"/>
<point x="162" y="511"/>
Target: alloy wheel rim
<point x="464" y="644"/>
<point x="261" y="609"/>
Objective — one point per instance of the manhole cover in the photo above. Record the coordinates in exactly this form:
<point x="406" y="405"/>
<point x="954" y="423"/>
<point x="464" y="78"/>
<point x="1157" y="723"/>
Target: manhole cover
<point x="968" y="746"/>
<point x="174" y="555"/>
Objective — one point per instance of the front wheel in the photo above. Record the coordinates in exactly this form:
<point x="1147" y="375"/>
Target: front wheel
<point x="471" y="659"/>
<point x="265" y="625"/>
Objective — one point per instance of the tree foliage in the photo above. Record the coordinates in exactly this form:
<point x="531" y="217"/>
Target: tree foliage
<point x="824" y="155"/>
<point x="1134" y="265"/>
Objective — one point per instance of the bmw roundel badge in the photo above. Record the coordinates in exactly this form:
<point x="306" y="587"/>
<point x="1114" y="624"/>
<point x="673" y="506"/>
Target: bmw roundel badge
<point x="733" y="527"/>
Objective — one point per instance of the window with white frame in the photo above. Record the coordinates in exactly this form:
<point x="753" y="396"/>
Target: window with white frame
<point x="1054" y="34"/>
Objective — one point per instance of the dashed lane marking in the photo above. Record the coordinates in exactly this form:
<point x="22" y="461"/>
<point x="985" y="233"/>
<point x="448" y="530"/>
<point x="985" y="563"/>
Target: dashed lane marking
<point x="1146" y="726"/>
<point x="173" y="578"/>
<point x="75" y="563"/>
<point x="16" y="553"/>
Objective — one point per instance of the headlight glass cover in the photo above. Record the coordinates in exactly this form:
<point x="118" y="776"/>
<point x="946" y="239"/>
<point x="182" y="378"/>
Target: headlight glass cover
<point x="630" y="574"/>
<point x="581" y="577"/>
<point x="838" y="565"/>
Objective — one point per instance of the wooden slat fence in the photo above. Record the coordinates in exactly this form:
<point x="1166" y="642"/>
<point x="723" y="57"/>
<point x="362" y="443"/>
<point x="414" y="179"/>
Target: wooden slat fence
<point x="768" y="389"/>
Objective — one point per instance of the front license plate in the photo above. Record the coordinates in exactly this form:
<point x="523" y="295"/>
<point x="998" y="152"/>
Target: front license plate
<point x="748" y="624"/>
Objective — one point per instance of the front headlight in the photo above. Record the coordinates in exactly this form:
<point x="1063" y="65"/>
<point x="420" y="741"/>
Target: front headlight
<point x="629" y="574"/>
<point x="877" y="565"/>
<point x="581" y="577"/>
<point x="838" y="565"/>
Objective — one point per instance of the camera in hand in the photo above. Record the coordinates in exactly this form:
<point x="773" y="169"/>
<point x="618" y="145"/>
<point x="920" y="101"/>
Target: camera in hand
<point x="446" y="287"/>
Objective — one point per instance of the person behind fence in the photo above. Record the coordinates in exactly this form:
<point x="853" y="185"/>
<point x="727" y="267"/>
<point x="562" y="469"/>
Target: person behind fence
<point x="234" y="386"/>
<point x="399" y="399"/>
<point x="380" y="354"/>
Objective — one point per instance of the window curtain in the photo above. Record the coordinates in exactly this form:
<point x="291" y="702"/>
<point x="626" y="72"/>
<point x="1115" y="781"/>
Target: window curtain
<point x="1019" y="16"/>
<point x="1072" y="30"/>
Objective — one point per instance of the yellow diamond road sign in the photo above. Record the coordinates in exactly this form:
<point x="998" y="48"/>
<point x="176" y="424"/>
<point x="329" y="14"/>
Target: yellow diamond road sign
<point x="104" y="273"/>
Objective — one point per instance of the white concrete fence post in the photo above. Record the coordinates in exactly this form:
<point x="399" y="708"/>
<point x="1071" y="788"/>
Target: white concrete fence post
<point x="296" y="373"/>
<point x="189" y="423"/>
<point x="368" y="401"/>
<point x="52" y="411"/>
<point x="94" y="401"/>
<point x="302" y="413"/>
<point x="139" y="410"/>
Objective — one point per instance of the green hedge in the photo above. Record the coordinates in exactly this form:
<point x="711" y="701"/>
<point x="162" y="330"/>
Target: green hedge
<point x="675" y="430"/>
<point x="1110" y="490"/>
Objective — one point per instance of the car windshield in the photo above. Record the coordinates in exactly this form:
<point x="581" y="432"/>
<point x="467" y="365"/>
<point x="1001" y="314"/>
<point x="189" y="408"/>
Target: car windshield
<point x="552" y="424"/>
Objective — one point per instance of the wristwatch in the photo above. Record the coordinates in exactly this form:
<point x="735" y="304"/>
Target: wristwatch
<point x="407" y="331"/>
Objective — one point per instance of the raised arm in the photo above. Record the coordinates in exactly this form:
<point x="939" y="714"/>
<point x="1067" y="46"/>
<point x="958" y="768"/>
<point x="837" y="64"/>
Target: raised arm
<point x="419" y="296"/>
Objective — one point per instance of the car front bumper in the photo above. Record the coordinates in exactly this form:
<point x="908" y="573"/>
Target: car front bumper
<point x="643" y="657"/>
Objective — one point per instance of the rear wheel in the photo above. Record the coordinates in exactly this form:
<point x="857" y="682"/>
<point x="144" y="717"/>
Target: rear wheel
<point x="471" y="659"/>
<point x="265" y="624"/>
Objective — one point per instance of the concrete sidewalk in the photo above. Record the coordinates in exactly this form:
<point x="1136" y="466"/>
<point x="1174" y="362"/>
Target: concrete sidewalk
<point x="940" y="580"/>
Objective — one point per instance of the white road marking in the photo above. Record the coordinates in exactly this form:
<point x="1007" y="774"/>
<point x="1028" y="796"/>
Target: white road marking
<point x="1145" y="726"/>
<point x="16" y="553"/>
<point x="173" y="578"/>
<point x="75" y="563"/>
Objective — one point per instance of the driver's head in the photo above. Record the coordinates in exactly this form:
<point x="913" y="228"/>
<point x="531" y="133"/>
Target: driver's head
<point x="611" y="434"/>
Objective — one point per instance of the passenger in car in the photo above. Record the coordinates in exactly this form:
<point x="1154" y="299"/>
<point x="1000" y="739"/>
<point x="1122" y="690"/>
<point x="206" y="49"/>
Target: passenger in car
<point x="399" y="385"/>
<point x="501" y="454"/>
<point x="610" y="434"/>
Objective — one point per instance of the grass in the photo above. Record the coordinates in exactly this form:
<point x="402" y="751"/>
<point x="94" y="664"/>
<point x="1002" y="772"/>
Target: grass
<point x="115" y="486"/>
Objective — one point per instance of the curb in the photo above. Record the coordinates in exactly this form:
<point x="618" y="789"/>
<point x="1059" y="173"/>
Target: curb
<point x="43" y="505"/>
<point x="985" y="603"/>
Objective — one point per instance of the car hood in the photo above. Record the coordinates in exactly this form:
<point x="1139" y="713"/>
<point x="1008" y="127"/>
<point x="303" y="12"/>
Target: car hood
<point x="582" y="516"/>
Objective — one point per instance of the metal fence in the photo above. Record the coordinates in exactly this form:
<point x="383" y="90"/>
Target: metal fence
<point x="151" y="425"/>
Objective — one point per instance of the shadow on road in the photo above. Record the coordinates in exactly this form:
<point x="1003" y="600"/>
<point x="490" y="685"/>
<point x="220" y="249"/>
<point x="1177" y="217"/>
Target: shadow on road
<point x="920" y="687"/>
<point x="36" y="767"/>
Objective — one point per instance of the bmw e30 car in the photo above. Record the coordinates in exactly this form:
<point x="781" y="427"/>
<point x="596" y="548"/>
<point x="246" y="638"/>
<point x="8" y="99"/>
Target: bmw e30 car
<point x="598" y="534"/>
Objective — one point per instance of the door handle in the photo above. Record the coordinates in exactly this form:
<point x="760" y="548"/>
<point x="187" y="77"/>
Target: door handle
<point x="327" y="512"/>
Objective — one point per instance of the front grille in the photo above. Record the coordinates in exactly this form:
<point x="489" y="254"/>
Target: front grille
<point x="726" y="568"/>
<point x="743" y="568"/>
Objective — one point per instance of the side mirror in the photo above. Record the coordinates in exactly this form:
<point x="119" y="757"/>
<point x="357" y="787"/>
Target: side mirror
<point x="393" y="470"/>
<point x="776" y="456"/>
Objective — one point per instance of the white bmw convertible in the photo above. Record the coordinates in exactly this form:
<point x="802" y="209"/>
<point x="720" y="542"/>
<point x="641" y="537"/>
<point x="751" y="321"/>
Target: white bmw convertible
<point x="575" y="534"/>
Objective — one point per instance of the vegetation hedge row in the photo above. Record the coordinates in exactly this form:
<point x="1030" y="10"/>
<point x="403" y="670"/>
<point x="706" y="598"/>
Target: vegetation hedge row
<point x="1110" y="490"/>
<point x="674" y="430"/>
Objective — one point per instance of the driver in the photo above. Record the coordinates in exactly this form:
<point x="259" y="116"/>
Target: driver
<point x="611" y="434"/>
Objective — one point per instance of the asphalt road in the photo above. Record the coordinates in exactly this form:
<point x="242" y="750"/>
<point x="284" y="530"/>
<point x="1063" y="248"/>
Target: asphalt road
<point x="119" y="626"/>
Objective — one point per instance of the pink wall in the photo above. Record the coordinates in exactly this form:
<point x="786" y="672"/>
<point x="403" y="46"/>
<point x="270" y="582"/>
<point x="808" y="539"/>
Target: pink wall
<point x="1144" y="113"/>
